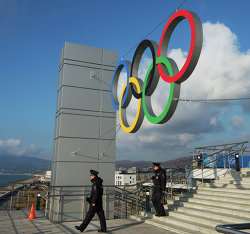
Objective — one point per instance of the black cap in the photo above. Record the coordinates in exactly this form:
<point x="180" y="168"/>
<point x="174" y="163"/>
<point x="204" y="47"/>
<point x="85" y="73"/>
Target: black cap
<point x="93" y="172"/>
<point x="156" y="164"/>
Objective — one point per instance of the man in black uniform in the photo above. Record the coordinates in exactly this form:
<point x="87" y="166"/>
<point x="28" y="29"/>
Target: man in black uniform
<point x="95" y="202"/>
<point x="159" y="180"/>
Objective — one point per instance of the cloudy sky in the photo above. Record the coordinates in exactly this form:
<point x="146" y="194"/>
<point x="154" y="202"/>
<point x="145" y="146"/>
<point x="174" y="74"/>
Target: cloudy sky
<point x="32" y="34"/>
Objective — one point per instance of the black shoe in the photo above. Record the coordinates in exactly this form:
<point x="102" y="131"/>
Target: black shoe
<point x="79" y="228"/>
<point x="162" y="215"/>
<point x="157" y="215"/>
<point x="101" y="230"/>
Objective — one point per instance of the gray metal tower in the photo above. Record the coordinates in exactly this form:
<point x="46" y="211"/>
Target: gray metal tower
<point x="85" y="130"/>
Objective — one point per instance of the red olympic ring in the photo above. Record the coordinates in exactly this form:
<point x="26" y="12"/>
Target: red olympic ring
<point x="195" y="45"/>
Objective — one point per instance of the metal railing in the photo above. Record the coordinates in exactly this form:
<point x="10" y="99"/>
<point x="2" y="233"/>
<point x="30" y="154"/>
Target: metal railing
<point x="18" y="196"/>
<point x="228" y="151"/>
<point x="232" y="228"/>
<point x="126" y="202"/>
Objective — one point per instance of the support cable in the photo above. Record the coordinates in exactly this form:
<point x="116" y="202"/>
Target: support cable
<point x="222" y="101"/>
<point x="76" y="152"/>
<point x="103" y="154"/>
<point x="147" y="35"/>
<point x="111" y="141"/>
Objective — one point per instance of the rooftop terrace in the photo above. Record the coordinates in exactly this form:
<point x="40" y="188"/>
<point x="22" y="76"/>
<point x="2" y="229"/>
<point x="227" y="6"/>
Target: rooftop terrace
<point x="16" y="222"/>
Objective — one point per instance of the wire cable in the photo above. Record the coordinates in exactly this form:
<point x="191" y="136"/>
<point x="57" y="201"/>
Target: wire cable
<point x="147" y="35"/>
<point x="128" y="52"/>
<point x="214" y="100"/>
<point x="111" y="142"/>
<point x="85" y="146"/>
<point x="103" y="154"/>
<point x="222" y="101"/>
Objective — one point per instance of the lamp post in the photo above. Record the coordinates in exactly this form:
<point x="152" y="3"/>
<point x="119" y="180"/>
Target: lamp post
<point x="237" y="162"/>
<point x="199" y="160"/>
<point x="147" y="202"/>
<point x="38" y="201"/>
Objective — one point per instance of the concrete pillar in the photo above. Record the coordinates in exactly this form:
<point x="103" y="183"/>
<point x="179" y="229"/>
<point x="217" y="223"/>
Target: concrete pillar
<point x="85" y="130"/>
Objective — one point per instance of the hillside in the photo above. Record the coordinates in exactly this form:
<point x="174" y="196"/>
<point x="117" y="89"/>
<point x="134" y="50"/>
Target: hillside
<point x="179" y="163"/>
<point x="23" y="164"/>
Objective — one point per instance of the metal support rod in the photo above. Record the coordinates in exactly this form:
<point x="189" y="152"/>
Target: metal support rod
<point x="171" y="185"/>
<point x="216" y="162"/>
<point x="107" y="205"/>
<point x="202" y="174"/>
<point x="38" y="201"/>
<point x="242" y="159"/>
<point x="171" y="189"/>
<point x="137" y="205"/>
<point x="126" y="204"/>
<point x="51" y="209"/>
<point x="59" y="204"/>
<point x="122" y="205"/>
<point x="147" y="202"/>
<point x="46" y="208"/>
<point x="229" y="159"/>
<point x="83" y="203"/>
<point x="47" y="204"/>
<point x="224" y="160"/>
<point x="11" y="197"/>
<point x="28" y="199"/>
<point x="11" y="200"/>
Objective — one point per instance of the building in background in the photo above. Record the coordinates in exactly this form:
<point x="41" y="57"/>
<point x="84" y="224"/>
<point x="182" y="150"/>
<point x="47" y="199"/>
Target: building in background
<point x="124" y="178"/>
<point x="132" y="170"/>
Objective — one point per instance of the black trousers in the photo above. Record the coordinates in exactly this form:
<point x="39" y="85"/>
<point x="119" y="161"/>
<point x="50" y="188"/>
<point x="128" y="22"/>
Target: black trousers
<point x="156" y="200"/>
<point x="90" y="214"/>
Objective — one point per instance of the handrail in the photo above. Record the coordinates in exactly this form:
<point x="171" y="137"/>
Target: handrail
<point x="224" y="156"/>
<point x="176" y="169"/>
<point x="88" y="194"/>
<point x="212" y="161"/>
<point x="215" y="153"/>
<point x="232" y="228"/>
<point x="235" y="143"/>
<point x="43" y="196"/>
<point x="127" y="202"/>
<point x="75" y="186"/>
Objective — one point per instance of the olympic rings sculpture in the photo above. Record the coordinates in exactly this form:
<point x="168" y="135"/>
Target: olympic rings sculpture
<point x="162" y="66"/>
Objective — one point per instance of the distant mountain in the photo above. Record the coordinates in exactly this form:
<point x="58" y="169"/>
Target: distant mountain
<point x="23" y="164"/>
<point x="128" y="164"/>
<point x="179" y="163"/>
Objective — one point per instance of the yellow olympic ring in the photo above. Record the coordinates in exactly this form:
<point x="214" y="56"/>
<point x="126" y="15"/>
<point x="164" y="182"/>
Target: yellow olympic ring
<point x="138" y="83"/>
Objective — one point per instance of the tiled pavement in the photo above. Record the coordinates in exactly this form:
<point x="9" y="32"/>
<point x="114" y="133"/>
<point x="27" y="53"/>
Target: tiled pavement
<point x="16" y="222"/>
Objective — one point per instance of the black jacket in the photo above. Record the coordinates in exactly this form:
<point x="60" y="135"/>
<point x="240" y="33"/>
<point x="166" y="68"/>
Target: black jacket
<point x="97" y="190"/>
<point x="159" y="179"/>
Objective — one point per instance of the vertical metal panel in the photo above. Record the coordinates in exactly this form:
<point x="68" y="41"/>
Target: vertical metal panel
<point x="84" y="114"/>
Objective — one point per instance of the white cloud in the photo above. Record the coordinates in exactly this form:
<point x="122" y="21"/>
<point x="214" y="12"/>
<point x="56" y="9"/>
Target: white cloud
<point x="185" y="138"/>
<point x="14" y="147"/>
<point x="237" y="121"/>
<point x="222" y="72"/>
<point x="147" y="139"/>
<point x="213" y="121"/>
<point x="13" y="143"/>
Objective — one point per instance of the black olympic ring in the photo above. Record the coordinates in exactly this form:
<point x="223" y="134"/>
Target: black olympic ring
<point x="154" y="76"/>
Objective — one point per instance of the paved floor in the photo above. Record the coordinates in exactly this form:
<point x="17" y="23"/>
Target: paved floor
<point x="16" y="222"/>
